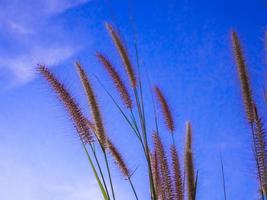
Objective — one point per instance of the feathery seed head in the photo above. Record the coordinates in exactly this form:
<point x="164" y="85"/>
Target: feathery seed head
<point x="123" y="54"/>
<point x="119" y="84"/>
<point x="188" y="136"/>
<point x="164" y="176"/>
<point x="189" y="163"/>
<point x="260" y="149"/>
<point x="118" y="159"/>
<point x="243" y="76"/>
<point x="165" y="109"/>
<point x="99" y="127"/>
<point x="71" y="106"/>
<point x="156" y="173"/>
<point x="178" y="191"/>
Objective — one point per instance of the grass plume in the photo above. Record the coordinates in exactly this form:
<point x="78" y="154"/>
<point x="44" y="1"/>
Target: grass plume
<point x="155" y="172"/>
<point x="243" y="76"/>
<point x="118" y="159"/>
<point x="165" y="178"/>
<point x="260" y="150"/>
<point x="123" y="54"/>
<point x="189" y="163"/>
<point x="178" y="191"/>
<point x="71" y="106"/>
<point x="256" y="125"/>
<point x="165" y="109"/>
<point x="121" y="164"/>
<point x="121" y="87"/>
<point x="99" y="127"/>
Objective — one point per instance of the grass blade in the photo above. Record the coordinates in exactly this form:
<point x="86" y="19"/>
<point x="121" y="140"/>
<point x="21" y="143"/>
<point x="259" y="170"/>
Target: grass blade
<point x="105" y="196"/>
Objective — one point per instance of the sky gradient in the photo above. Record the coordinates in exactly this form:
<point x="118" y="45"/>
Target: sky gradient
<point x="185" y="48"/>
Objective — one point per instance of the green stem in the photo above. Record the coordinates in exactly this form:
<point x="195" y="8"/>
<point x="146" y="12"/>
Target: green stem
<point x="195" y="188"/>
<point x="132" y="186"/>
<point x="134" y="121"/>
<point x="105" y="196"/>
<point x="222" y="168"/>
<point x="141" y="118"/>
<point x="136" y="127"/>
<point x="109" y="173"/>
<point x="100" y="170"/>
<point x="173" y="141"/>
<point x="118" y="107"/>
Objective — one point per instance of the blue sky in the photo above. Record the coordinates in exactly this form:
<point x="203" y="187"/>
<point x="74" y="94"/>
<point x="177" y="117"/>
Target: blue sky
<point x="184" y="47"/>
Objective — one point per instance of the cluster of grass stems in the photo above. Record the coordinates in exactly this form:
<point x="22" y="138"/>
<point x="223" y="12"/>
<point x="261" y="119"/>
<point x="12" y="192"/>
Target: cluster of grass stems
<point x="167" y="179"/>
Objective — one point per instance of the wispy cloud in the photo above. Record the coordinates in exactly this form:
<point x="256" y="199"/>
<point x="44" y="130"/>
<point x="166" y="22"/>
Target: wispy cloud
<point x="30" y="36"/>
<point x="83" y="191"/>
<point x="19" y="181"/>
<point x="22" y="180"/>
<point x="58" y="6"/>
<point x="22" y="66"/>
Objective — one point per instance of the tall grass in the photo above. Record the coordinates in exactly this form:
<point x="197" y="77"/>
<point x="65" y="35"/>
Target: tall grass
<point x="165" y="176"/>
<point x="255" y="122"/>
<point x="168" y="178"/>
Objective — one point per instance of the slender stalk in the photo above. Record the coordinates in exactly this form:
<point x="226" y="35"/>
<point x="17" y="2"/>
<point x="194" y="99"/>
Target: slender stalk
<point x="109" y="173"/>
<point x="173" y="140"/>
<point x="222" y="168"/>
<point x="153" y="194"/>
<point x="154" y="105"/>
<point x="195" y="187"/>
<point x="105" y="196"/>
<point x="146" y="152"/>
<point x="136" y="131"/>
<point x="138" y="66"/>
<point x="132" y="186"/>
<point x="134" y="126"/>
<point x="100" y="170"/>
<point x="140" y="114"/>
<point x="142" y="107"/>
<point x="135" y="122"/>
<point x="139" y="135"/>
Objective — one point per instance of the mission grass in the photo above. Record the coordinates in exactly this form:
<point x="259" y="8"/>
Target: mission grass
<point x="167" y="179"/>
<point x="254" y="121"/>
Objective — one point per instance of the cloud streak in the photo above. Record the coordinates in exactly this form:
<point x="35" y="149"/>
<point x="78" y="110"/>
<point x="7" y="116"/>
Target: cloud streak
<point x="30" y="184"/>
<point x="23" y="65"/>
<point x="30" y="36"/>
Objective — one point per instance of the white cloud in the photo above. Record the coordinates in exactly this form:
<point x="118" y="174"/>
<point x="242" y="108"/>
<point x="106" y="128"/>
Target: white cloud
<point x="26" y="178"/>
<point x="23" y="180"/>
<point x="79" y="191"/>
<point x="19" y="181"/>
<point x="19" y="28"/>
<point x="30" y="37"/>
<point x="23" y="66"/>
<point x="58" y="6"/>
